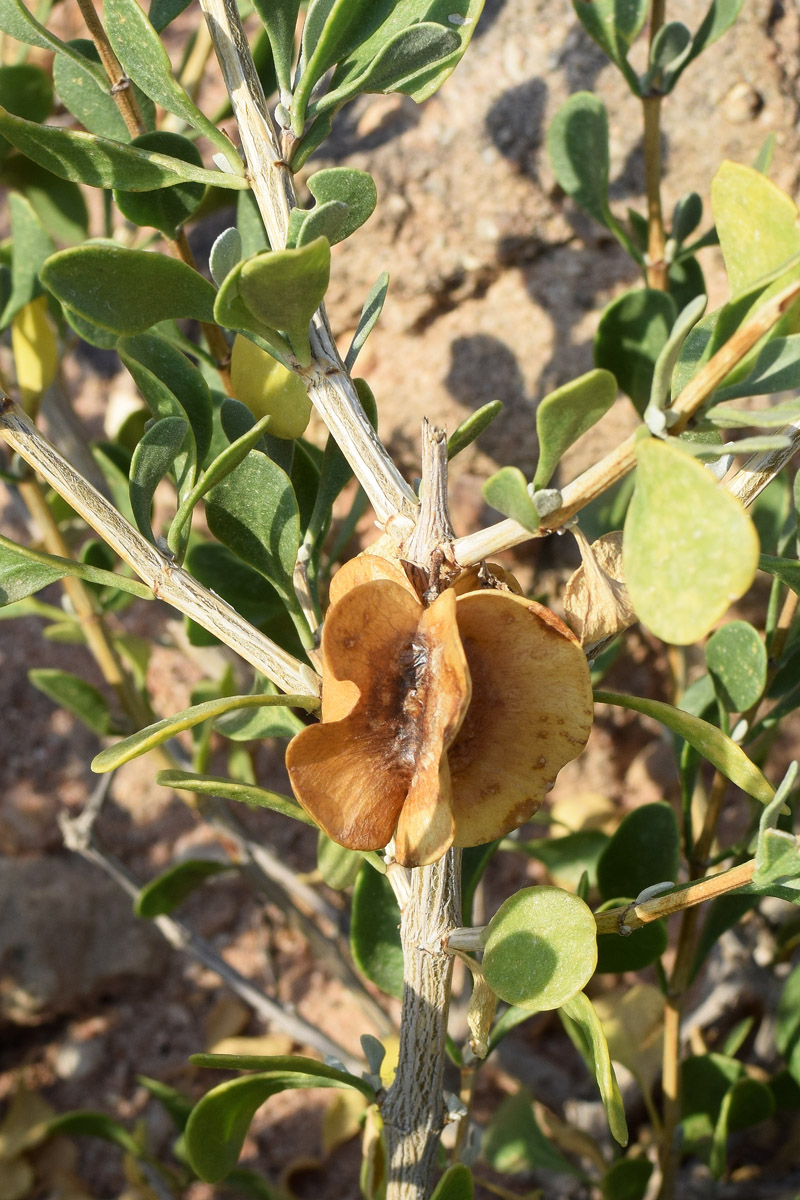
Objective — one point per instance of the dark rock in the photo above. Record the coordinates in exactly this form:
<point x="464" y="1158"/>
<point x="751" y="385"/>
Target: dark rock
<point x="67" y="933"/>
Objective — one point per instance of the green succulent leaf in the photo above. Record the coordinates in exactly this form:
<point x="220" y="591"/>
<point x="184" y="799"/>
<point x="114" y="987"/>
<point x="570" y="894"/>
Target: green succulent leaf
<point x="645" y="850"/>
<point x="689" y="547"/>
<point x="85" y="91"/>
<point x="639" y="949"/>
<point x="712" y="743"/>
<point x="163" y="12"/>
<point x="455" y="1184"/>
<point x="337" y="865"/>
<point x="369" y="316"/>
<point x="82" y="1123"/>
<point x="77" y="696"/>
<point x="756" y="222"/>
<point x="378" y="46"/>
<point x="388" y="18"/>
<point x="255" y="724"/>
<point x="164" y="893"/>
<point x="472" y="428"/>
<point x="748" y="1102"/>
<point x="410" y="54"/>
<point x="254" y="512"/>
<point x="577" y="142"/>
<point x="627" y="1179"/>
<point x="345" y="185"/>
<point x="776" y="369"/>
<point x="669" y="354"/>
<point x="58" y="203"/>
<point x="225" y="254"/>
<point x="126" y="291"/>
<point x="280" y="21"/>
<point x="233" y="789"/>
<point x="24" y="571"/>
<point x="216" y="567"/>
<point x="284" y="288"/>
<point x="20" y="23"/>
<point x="540" y="948"/>
<point x="166" y="209"/>
<point x="785" y="569"/>
<point x="30" y="247"/>
<point x="160" y="732"/>
<point x="719" y="17"/>
<point x="374" y="931"/>
<point x="153" y="458"/>
<point x="171" y="384"/>
<point x="587" y="1032"/>
<point x="26" y="91"/>
<point x="669" y="50"/>
<point x="566" y="414"/>
<point x="216" y="1130"/>
<point x="614" y="24"/>
<point x="514" y="1143"/>
<point x="686" y="216"/>
<point x="737" y="661"/>
<point x="567" y="858"/>
<point x="217" y="470"/>
<point x="633" y="331"/>
<point x="324" y="220"/>
<point x="765" y="418"/>
<point x="102" y="163"/>
<point x="507" y="491"/>
<point x="140" y="51"/>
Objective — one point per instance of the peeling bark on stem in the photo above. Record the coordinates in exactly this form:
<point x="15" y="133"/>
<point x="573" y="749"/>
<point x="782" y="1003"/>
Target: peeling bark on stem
<point x="413" y="1110"/>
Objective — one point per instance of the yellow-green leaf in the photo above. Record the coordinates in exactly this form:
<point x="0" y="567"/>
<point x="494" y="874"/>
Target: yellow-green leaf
<point x="689" y="547"/>
<point x="756" y="222"/>
<point x="162" y="731"/>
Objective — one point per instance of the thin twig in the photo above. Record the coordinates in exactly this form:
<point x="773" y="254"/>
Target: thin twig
<point x="753" y="477"/>
<point x="121" y="90"/>
<point x="632" y="916"/>
<point x="328" y="382"/>
<point x="651" y="105"/>
<point x="167" y="581"/>
<point x="186" y="940"/>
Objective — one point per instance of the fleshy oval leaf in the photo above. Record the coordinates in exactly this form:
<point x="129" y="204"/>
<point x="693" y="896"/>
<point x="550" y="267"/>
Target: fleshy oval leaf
<point x="127" y="291"/>
<point x="756" y="222"/>
<point x="689" y="548"/>
<point x="737" y="660"/>
<point x="541" y="948"/>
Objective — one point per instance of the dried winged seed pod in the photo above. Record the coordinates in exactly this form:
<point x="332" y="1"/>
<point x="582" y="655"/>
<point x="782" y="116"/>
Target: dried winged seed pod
<point x="596" y="600"/>
<point x="531" y="712"/>
<point x="442" y="725"/>
<point x="394" y="693"/>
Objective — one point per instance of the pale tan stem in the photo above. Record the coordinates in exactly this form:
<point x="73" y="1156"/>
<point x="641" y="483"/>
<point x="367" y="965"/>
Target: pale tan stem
<point x="656" y="242"/>
<point x="752" y="478"/>
<point x="632" y="916"/>
<point x="121" y="90"/>
<point x="414" y="1111"/>
<point x="657" y="271"/>
<point x="167" y="581"/>
<point x="327" y="381"/>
